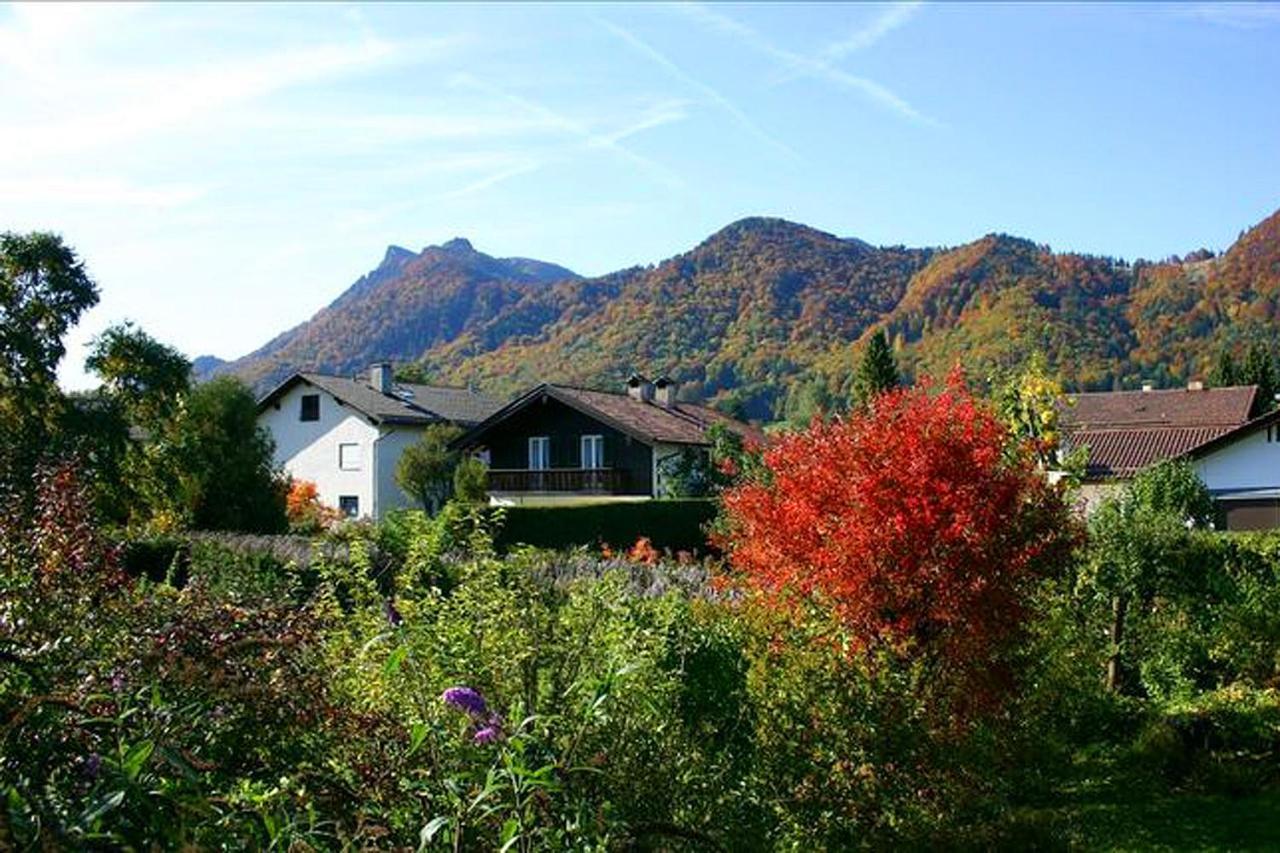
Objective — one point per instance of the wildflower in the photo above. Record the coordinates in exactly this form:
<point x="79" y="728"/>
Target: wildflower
<point x="487" y="735"/>
<point x="466" y="699"/>
<point x="92" y="765"/>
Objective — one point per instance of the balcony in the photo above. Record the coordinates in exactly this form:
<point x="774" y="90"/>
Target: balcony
<point x="589" y="481"/>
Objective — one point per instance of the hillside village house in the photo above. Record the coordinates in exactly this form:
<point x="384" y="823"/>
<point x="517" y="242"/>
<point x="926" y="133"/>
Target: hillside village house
<point x="346" y="435"/>
<point x="558" y="444"/>
<point x="1236" y="456"/>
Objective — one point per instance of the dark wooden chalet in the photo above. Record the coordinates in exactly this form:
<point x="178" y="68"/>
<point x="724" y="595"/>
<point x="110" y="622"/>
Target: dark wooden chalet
<point x="563" y="441"/>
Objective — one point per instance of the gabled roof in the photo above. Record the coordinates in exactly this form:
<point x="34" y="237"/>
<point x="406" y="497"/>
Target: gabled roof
<point x="1126" y="431"/>
<point x="1231" y="436"/>
<point x="650" y="422"/>
<point x="1180" y="407"/>
<point x="409" y="404"/>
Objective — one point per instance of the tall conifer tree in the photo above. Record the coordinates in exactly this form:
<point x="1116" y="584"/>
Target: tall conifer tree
<point x="877" y="371"/>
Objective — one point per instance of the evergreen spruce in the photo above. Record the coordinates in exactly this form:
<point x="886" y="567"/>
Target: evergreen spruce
<point x="1259" y="369"/>
<point x="1225" y="373"/>
<point x="877" y="371"/>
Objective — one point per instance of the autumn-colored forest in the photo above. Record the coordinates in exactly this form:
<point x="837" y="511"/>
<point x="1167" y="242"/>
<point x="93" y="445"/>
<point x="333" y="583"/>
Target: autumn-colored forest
<point x="762" y="302"/>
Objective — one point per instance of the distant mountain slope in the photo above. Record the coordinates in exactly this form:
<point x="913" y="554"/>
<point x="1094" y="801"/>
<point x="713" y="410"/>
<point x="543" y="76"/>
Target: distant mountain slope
<point x="745" y="309"/>
<point x="405" y="306"/>
<point x="763" y="301"/>
<point x="993" y="302"/>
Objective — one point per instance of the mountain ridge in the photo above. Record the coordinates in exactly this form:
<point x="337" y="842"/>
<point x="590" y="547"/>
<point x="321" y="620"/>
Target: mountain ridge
<point x="764" y="302"/>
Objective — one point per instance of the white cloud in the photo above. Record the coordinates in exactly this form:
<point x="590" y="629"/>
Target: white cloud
<point x="1240" y="16"/>
<point x="114" y="192"/>
<point x="800" y="64"/>
<point x="591" y="137"/>
<point x="661" y="60"/>
<point x="889" y="19"/>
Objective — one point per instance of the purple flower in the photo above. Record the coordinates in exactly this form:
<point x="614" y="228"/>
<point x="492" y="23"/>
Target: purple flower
<point x="392" y="614"/>
<point x="488" y="734"/>
<point x="466" y="699"/>
<point x="91" y="765"/>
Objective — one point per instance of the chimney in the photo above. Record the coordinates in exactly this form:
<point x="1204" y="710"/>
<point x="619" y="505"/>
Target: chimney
<point x="664" y="390"/>
<point x="380" y="377"/>
<point x="639" y="388"/>
<point x="1196" y="385"/>
<point x="1148" y="386"/>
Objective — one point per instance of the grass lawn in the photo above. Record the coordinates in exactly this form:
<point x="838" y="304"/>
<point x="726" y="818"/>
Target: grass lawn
<point x="1106" y="809"/>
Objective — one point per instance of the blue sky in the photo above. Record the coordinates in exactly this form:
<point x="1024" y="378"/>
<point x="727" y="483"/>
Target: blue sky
<point x="225" y="171"/>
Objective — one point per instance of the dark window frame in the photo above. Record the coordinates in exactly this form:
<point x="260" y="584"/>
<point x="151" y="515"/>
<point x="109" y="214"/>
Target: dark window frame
<point x="309" y="410"/>
<point x="349" y="505"/>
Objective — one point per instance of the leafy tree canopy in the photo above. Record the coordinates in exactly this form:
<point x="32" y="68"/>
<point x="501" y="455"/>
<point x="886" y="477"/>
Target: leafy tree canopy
<point x="146" y="376"/>
<point x="426" y="469"/>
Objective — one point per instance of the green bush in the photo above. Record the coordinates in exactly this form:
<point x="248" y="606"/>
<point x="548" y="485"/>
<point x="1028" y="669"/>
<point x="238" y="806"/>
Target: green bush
<point x="674" y="525"/>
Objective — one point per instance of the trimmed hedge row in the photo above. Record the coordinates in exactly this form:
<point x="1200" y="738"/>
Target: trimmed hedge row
<point x="676" y="525"/>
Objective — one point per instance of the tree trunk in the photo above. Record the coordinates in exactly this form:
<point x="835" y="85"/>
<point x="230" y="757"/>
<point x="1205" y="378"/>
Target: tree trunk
<point x="1119" y="606"/>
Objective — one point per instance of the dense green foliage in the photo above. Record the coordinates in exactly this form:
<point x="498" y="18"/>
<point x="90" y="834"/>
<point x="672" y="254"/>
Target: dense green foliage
<point x="674" y="525"/>
<point x="426" y="468"/>
<point x="223" y="697"/>
<point x="44" y="289"/>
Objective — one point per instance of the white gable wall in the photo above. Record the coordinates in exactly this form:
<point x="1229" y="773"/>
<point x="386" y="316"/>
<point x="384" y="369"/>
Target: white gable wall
<point x="392" y="443"/>
<point x="1246" y="464"/>
<point x="308" y="450"/>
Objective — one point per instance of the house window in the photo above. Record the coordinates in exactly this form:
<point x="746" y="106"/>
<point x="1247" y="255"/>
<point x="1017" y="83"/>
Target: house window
<point x="349" y="457"/>
<point x="593" y="451"/>
<point x="349" y="505"/>
<point x="539" y="452"/>
<point x="310" y="408"/>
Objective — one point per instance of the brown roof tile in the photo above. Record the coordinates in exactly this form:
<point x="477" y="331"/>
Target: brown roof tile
<point x="1126" y="431"/>
<point x="682" y="423"/>
<point x="1175" y="408"/>
<point x="1121" y="453"/>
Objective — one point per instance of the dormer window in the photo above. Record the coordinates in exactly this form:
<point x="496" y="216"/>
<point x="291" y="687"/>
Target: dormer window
<point x="310" y="408"/>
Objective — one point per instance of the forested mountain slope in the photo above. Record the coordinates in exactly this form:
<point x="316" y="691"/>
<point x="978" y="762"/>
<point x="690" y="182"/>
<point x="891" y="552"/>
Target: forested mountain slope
<point x="407" y="305"/>
<point x="763" y="301"/>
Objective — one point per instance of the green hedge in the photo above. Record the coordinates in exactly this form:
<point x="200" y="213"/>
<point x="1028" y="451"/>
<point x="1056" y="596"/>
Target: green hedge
<point x="676" y="525"/>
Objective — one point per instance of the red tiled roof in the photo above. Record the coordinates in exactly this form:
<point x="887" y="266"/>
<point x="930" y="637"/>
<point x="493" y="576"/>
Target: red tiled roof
<point x="1126" y="431"/>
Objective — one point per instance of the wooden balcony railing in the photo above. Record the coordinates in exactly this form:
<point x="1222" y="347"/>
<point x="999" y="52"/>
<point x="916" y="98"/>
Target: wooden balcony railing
<point x="588" y="480"/>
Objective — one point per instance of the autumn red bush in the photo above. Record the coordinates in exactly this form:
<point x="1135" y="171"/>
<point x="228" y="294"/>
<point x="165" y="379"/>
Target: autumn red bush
<point x="919" y="522"/>
<point x="305" y="511"/>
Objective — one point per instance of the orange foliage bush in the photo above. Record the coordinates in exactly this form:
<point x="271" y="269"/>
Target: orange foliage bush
<point x="918" y="523"/>
<point x="304" y="509"/>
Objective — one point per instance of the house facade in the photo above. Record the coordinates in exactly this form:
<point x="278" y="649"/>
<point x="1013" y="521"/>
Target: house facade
<point x="1236" y="456"/>
<point x="558" y="444"/>
<point x="346" y="435"/>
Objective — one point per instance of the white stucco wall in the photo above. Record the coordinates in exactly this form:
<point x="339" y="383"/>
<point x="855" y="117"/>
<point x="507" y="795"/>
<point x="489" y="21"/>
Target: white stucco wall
<point x="1249" y="463"/>
<point x="308" y="450"/>
<point x="391" y="443"/>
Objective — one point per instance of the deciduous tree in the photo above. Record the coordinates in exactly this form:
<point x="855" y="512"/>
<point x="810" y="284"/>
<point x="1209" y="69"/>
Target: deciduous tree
<point x="917" y="520"/>
<point x="425" y="470"/>
<point x="43" y="291"/>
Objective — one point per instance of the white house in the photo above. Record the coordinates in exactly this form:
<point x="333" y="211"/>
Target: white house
<point x="1237" y="458"/>
<point x="346" y="435"/>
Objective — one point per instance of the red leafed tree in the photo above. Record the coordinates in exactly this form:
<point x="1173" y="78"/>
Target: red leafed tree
<point x="918" y="521"/>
